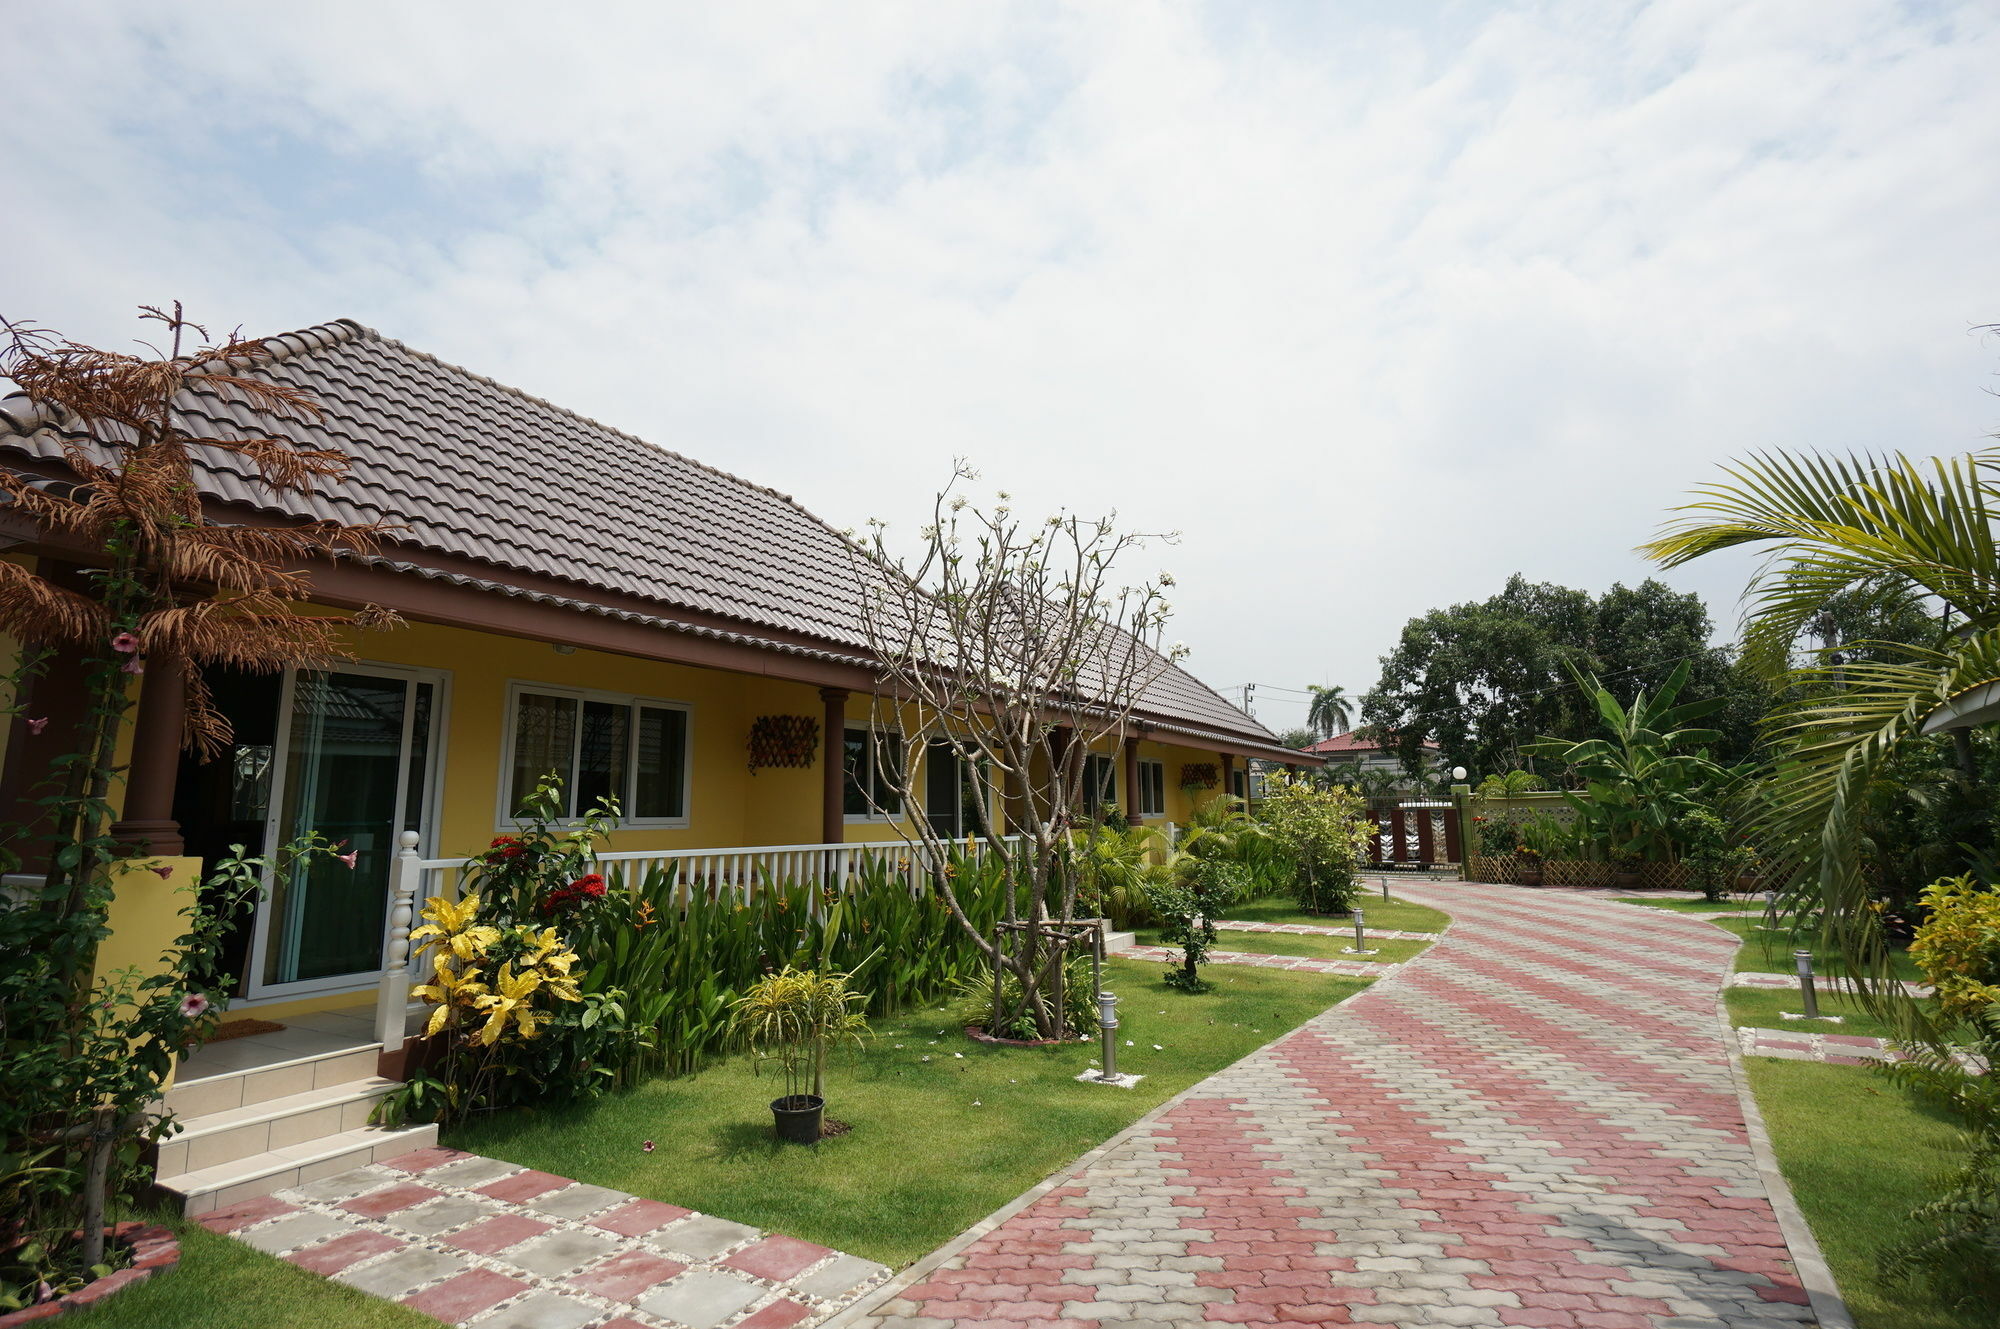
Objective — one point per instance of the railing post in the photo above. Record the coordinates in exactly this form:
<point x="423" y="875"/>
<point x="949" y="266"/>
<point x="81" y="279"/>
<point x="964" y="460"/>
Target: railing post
<point x="393" y="1001"/>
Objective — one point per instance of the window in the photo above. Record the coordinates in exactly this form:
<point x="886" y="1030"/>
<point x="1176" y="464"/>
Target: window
<point x="1152" y="789"/>
<point x="872" y="764"/>
<point x="1100" y="782"/>
<point x="624" y="748"/>
<point x="953" y="787"/>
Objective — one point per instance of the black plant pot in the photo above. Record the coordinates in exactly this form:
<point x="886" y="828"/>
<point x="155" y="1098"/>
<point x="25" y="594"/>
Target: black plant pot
<point x="798" y="1117"/>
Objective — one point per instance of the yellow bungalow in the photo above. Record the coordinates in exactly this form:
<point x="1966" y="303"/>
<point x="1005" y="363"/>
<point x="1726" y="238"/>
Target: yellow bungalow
<point x="576" y="599"/>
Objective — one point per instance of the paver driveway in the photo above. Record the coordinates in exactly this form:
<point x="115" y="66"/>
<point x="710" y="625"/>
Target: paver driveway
<point x="1533" y="1124"/>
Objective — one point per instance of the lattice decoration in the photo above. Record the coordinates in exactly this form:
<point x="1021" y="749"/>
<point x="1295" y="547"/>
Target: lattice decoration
<point x="1506" y="868"/>
<point x="1199" y="775"/>
<point x="783" y="740"/>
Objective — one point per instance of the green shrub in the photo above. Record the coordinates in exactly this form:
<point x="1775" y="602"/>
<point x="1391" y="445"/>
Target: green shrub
<point x="1324" y="832"/>
<point x="1189" y="900"/>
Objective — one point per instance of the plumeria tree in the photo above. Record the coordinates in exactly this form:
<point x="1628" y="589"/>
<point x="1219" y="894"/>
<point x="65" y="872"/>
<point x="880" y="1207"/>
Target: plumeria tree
<point x="1011" y="648"/>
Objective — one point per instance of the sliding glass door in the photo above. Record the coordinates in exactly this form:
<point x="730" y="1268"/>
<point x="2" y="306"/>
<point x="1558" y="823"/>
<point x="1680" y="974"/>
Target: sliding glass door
<point x="355" y="764"/>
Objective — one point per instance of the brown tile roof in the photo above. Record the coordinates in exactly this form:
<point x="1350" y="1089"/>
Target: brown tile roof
<point x="476" y="470"/>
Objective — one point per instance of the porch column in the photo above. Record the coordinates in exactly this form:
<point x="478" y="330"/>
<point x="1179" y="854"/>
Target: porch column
<point x="149" y="822"/>
<point x="1228" y="773"/>
<point x="1132" y="779"/>
<point x="833" y="756"/>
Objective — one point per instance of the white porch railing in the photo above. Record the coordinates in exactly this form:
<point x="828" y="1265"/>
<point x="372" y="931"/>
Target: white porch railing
<point x="710" y="871"/>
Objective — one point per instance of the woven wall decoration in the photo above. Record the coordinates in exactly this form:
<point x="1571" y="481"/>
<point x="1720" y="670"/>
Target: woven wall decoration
<point x="783" y="740"/>
<point x="1198" y="775"/>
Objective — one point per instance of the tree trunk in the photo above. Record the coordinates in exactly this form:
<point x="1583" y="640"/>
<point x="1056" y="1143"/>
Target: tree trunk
<point x="103" y="1141"/>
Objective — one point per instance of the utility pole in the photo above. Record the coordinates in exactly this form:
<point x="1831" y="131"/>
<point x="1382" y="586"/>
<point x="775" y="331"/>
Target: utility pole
<point x="1249" y="694"/>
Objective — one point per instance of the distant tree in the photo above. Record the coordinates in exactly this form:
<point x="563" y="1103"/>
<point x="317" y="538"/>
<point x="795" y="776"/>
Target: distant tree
<point x="1297" y="739"/>
<point x="1484" y="680"/>
<point x="1332" y="711"/>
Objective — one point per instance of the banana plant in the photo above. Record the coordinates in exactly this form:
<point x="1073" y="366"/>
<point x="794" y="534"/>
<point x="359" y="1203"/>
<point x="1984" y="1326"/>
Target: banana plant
<point x="1640" y="777"/>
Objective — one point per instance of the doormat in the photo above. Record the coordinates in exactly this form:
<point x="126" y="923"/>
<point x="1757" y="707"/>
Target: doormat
<point x="229" y="1029"/>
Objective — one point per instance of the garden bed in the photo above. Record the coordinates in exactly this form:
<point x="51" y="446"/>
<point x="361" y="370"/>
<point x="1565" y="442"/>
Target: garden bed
<point x="1392" y="915"/>
<point x="149" y="1248"/>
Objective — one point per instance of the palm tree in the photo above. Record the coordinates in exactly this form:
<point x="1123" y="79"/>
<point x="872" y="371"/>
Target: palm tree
<point x="1331" y="711"/>
<point x="1918" y="532"/>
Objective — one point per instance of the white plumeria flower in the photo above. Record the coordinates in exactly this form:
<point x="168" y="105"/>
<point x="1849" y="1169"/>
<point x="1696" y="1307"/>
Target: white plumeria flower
<point x="1158" y="1048"/>
<point x="959" y="1055"/>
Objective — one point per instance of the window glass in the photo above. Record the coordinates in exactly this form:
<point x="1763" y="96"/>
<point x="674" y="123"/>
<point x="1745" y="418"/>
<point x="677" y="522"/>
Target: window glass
<point x="544" y="741"/>
<point x="869" y="765"/>
<point x="660" y="786"/>
<point x="1152" y="789"/>
<point x="600" y="766"/>
<point x="855" y="766"/>
<point x="888" y="774"/>
<point x="1100" y="782"/>
<point x="627" y="751"/>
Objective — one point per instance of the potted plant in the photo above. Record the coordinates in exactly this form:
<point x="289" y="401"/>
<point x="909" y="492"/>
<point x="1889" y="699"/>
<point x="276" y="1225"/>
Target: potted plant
<point x="1624" y="869"/>
<point x="1527" y="864"/>
<point x="793" y="1017"/>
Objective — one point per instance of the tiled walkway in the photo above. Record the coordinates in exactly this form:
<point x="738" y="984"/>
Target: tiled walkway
<point x="471" y="1240"/>
<point x="1535" y="1123"/>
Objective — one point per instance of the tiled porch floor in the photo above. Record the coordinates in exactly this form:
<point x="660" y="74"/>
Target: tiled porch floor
<point x="476" y="1241"/>
<point x="321" y="1032"/>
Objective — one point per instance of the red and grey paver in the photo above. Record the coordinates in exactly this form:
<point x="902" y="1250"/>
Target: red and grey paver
<point x="475" y="1241"/>
<point x="1533" y="1124"/>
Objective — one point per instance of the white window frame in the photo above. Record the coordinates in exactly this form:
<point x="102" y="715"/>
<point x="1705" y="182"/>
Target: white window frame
<point x="879" y="736"/>
<point x="503" y="817"/>
<point x="1139" y="795"/>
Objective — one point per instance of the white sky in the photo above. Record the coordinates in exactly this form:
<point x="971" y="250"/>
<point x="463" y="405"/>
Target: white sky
<point x="1375" y="311"/>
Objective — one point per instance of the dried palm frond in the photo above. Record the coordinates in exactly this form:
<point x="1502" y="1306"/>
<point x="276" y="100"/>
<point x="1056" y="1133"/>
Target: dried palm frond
<point x="209" y="594"/>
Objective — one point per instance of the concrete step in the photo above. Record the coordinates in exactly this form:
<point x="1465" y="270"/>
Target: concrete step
<point x="218" y="1138"/>
<point x="278" y="1169"/>
<point x="1118" y="941"/>
<point x="202" y="1095"/>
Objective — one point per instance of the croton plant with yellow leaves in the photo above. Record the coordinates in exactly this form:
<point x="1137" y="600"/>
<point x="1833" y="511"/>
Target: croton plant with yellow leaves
<point x="510" y="1021"/>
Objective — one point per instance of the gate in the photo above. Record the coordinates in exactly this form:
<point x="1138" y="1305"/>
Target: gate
<point x="1413" y="834"/>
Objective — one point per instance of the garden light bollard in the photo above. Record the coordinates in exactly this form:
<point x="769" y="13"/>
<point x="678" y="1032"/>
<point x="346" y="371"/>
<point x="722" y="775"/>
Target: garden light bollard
<point x="1360" y="946"/>
<point x="1803" y="959"/>
<point x="1383" y="882"/>
<point x="1107" y="1024"/>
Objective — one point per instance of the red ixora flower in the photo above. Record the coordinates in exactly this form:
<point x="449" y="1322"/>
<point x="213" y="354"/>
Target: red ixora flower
<point x="506" y="846"/>
<point x="583" y="888"/>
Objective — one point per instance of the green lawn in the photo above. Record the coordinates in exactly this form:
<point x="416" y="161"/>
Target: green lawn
<point x="1393" y="916"/>
<point x="223" y="1284"/>
<point x="1306" y="944"/>
<point x="936" y="1144"/>
<point x="1859" y="1155"/>
<point x="1691" y="906"/>
<point x="1770" y="952"/>
<point x="1762" y="1009"/>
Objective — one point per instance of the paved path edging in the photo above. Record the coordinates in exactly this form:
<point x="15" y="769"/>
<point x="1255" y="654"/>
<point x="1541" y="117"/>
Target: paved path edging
<point x="1815" y="1274"/>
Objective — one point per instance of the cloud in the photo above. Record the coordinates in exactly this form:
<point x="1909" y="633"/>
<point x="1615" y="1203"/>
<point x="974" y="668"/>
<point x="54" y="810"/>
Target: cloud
<point x="1373" y="312"/>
